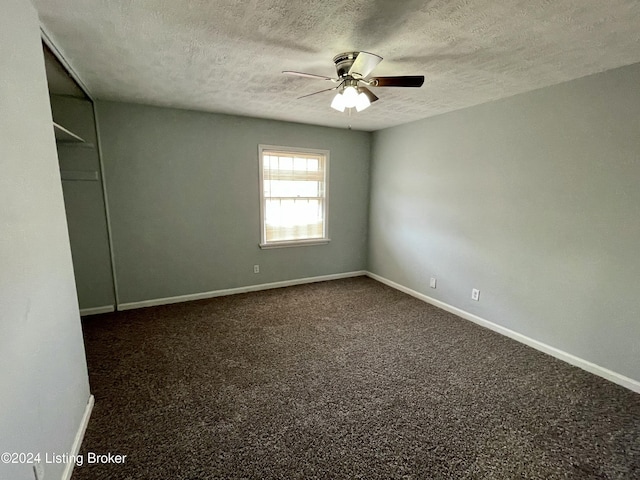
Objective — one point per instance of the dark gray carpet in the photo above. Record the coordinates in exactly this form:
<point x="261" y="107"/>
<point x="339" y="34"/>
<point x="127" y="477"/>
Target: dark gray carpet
<point x="340" y="380"/>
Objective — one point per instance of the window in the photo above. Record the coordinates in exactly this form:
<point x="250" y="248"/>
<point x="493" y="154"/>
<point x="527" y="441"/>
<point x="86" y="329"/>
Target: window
<point x="293" y="191"/>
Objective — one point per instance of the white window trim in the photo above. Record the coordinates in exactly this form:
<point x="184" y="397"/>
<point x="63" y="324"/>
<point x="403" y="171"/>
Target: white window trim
<point x="293" y="243"/>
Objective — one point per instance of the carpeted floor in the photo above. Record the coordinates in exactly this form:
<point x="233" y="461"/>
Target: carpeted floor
<point x="340" y="380"/>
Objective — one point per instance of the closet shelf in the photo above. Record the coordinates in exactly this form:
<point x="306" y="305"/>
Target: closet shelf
<point x="66" y="136"/>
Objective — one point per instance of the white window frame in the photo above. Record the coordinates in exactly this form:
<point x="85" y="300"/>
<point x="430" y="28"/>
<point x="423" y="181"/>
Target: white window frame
<point x="302" y="242"/>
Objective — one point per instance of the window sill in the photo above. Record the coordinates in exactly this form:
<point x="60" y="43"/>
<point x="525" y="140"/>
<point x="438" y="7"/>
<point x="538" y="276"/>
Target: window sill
<point x="295" y="243"/>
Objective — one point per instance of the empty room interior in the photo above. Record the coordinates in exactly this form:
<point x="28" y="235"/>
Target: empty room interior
<point x="320" y="239"/>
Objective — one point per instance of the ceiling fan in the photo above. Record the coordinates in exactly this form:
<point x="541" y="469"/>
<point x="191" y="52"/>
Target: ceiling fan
<point x="352" y="69"/>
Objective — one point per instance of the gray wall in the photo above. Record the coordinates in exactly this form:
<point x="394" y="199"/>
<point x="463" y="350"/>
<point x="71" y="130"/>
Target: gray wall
<point x="84" y="204"/>
<point x="535" y="200"/>
<point x="43" y="370"/>
<point x="184" y="200"/>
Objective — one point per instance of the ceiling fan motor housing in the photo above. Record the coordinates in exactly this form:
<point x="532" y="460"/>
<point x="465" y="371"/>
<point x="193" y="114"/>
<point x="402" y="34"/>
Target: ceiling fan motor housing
<point x="343" y="62"/>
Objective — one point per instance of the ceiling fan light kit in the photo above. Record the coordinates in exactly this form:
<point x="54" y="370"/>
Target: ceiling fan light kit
<point x="350" y="98"/>
<point x="352" y="69"/>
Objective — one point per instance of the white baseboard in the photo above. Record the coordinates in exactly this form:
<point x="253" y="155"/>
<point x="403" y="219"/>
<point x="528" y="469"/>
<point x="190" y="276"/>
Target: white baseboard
<point x="97" y="310"/>
<point x="590" y="367"/>
<point x="77" y="442"/>
<point x="234" y="291"/>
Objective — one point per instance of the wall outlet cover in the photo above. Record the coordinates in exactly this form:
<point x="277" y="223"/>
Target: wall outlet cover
<point x="475" y="294"/>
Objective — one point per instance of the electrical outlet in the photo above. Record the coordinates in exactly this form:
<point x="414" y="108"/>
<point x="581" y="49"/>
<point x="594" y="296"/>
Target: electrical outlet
<point x="475" y="294"/>
<point x="38" y="470"/>
<point x="432" y="282"/>
<point x="256" y="269"/>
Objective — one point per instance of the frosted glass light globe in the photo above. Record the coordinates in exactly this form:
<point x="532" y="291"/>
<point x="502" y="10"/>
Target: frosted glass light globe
<point x="362" y="102"/>
<point x="338" y="103"/>
<point x="350" y="95"/>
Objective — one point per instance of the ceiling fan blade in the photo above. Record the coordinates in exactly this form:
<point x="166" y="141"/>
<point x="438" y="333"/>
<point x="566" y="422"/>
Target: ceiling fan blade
<point x="307" y="75"/>
<point x="321" y="91"/>
<point x="364" y="64"/>
<point x="406" y="81"/>
<point x="372" y="96"/>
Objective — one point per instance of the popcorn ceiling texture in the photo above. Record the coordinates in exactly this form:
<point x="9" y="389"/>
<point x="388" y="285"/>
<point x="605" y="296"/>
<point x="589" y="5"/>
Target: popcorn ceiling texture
<point x="227" y="55"/>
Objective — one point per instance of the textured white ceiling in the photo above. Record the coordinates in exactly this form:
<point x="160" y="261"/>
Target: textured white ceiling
<point x="227" y="55"/>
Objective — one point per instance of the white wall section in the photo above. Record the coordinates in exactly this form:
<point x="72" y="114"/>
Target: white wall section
<point x="534" y="201"/>
<point x="184" y="201"/>
<point x="44" y="381"/>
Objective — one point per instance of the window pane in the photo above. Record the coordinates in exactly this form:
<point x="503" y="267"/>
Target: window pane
<point x="286" y="212"/>
<point x="286" y="163"/>
<point x="300" y="164"/>
<point x="290" y="188"/>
